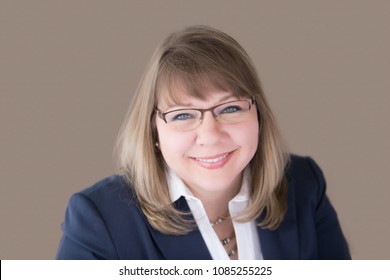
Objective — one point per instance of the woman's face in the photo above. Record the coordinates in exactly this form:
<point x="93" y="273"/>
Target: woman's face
<point x="211" y="157"/>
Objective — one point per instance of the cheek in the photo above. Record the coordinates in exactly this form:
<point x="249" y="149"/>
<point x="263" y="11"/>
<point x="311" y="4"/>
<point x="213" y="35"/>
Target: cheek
<point x="248" y="136"/>
<point x="172" y="144"/>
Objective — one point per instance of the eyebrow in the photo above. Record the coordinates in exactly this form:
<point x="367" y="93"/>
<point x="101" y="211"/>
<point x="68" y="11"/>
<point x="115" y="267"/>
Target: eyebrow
<point x="189" y="105"/>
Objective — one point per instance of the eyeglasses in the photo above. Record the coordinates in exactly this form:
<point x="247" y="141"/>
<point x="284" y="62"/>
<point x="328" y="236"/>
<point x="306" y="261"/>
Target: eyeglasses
<point x="228" y="113"/>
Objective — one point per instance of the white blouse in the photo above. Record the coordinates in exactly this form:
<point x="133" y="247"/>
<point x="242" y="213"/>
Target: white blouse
<point x="247" y="239"/>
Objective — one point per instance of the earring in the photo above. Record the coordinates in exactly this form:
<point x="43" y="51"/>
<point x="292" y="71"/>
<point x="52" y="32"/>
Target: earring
<point x="157" y="145"/>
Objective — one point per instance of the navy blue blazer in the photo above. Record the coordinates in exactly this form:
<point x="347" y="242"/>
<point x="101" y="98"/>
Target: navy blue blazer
<point x="105" y="222"/>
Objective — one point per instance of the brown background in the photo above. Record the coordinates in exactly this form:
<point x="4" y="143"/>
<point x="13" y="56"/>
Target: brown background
<point x="68" y="69"/>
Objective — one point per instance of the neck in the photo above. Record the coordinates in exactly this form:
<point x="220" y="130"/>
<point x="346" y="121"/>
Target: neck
<point x="216" y="203"/>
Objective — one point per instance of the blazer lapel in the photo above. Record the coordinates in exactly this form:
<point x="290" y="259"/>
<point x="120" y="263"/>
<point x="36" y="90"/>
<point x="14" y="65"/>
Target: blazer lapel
<point x="182" y="247"/>
<point x="282" y="243"/>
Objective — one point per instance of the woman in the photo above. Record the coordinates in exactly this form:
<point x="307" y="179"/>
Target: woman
<point x="203" y="170"/>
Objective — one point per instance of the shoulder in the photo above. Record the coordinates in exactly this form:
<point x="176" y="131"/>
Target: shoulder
<point x="109" y="197"/>
<point x="305" y="177"/>
<point x="306" y="186"/>
<point x="111" y="189"/>
<point x="302" y="167"/>
<point x="100" y="219"/>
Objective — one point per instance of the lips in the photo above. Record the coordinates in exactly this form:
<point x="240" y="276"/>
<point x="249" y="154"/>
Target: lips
<point x="213" y="162"/>
<point x="212" y="159"/>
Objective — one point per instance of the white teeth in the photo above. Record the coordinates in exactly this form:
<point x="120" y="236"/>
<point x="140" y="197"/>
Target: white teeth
<point x="212" y="160"/>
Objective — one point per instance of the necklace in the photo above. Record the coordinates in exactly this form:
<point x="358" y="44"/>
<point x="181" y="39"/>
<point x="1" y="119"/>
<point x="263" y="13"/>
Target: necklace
<point x="230" y="252"/>
<point x="219" y="220"/>
<point x="228" y="240"/>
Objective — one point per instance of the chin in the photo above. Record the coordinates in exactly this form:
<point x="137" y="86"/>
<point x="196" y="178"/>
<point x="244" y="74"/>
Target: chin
<point x="214" y="183"/>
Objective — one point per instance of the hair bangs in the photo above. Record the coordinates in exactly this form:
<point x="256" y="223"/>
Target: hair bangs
<point x="174" y="85"/>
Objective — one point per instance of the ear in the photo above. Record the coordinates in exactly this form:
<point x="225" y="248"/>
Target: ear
<point x="154" y="132"/>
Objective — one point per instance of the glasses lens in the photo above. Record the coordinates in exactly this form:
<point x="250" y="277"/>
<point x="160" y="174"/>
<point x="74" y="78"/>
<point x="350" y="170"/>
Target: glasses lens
<point x="183" y="119"/>
<point x="233" y="112"/>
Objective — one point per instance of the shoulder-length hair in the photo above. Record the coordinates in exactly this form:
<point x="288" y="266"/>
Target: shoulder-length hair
<point x="196" y="57"/>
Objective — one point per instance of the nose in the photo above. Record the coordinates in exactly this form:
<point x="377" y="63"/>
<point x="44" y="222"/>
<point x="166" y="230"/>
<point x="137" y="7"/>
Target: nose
<point x="210" y="132"/>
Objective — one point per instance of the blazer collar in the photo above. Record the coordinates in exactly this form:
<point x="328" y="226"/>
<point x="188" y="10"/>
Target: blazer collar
<point x="182" y="247"/>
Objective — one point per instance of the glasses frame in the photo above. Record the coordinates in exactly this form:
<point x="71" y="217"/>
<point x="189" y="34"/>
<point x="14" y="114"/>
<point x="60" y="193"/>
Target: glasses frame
<point x="162" y="115"/>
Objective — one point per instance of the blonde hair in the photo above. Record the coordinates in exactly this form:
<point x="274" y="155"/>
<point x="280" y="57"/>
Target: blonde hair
<point x="197" y="57"/>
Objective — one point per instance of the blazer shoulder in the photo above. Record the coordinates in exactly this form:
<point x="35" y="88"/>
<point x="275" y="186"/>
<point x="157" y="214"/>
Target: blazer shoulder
<point x="110" y="188"/>
<point x="305" y="177"/>
<point x="100" y="219"/>
<point x="299" y="165"/>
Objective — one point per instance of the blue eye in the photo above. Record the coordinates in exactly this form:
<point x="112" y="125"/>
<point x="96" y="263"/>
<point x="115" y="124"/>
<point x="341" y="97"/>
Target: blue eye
<point x="230" y="109"/>
<point x="181" y="117"/>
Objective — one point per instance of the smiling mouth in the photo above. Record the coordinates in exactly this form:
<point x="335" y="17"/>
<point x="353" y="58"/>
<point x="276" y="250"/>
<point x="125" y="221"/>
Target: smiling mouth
<point x="212" y="159"/>
<point x="213" y="162"/>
